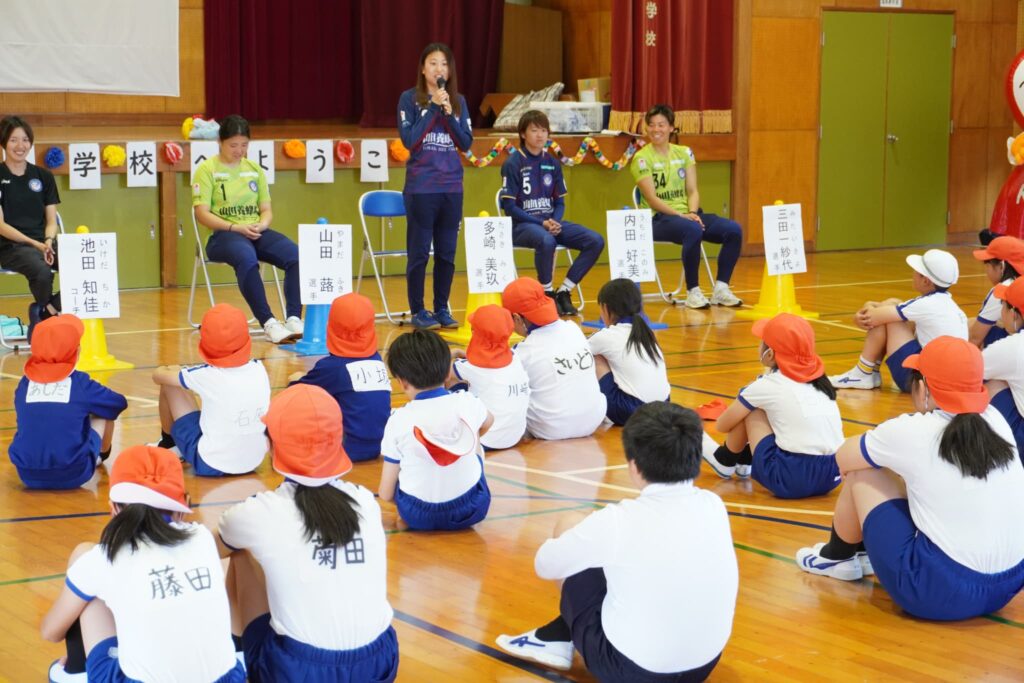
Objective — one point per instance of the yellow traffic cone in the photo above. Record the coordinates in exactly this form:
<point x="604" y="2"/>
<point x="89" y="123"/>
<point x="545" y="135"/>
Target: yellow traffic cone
<point x="778" y="295"/>
<point x="93" y="354"/>
<point x="462" y="334"/>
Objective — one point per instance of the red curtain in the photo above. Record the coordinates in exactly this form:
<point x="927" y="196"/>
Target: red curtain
<point x="396" y="31"/>
<point x="676" y="52"/>
<point x="317" y="59"/>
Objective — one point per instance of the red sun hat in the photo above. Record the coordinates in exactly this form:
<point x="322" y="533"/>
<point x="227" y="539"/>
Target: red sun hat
<point x="1012" y="293"/>
<point x="792" y="340"/>
<point x="488" y="347"/>
<point x="55" y="344"/>
<point x="304" y="424"/>
<point x="526" y="297"/>
<point x="954" y="370"/>
<point x="351" y="327"/>
<point x="224" y="339"/>
<point x="1005" y="248"/>
<point x="149" y="475"/>
<point x="446" y="440"/>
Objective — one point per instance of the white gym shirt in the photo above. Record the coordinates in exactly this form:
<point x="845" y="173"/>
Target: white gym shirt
<point x="634" y="371"/>
<point x="506" y="393"/>
<point x="804" y="420"/>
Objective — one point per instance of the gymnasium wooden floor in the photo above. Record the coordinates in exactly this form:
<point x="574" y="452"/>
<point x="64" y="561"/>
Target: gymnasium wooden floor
<point x="453" y="593"/>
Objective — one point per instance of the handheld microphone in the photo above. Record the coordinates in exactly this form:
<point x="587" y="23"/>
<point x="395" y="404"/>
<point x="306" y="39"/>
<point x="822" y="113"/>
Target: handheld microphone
<point x="441" y="82"/>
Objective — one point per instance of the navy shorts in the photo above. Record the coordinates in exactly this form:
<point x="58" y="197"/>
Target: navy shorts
<point x="101" y="666"/>
<point x="995" y="333"/>
<point x="900" y="374"/>
<point x="271" y="657"/>
<point x="1003" y="402"/>
<point x="186" y="432"/>
<point x="793" y="475"/>
<point x="922" y="579"/>
<point x="620" y="404"/>
<point x="70" y="477"/>
<point x="582" y="598"/>
<point x="459" y="513"/>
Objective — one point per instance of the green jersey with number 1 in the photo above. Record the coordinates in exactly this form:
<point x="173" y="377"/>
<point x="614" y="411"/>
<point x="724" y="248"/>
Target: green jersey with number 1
<point x="667" y="172"/>
<point x="232" y="193"/>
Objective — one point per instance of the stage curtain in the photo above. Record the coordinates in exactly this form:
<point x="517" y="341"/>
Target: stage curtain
<point x="317" y="59"/>
<point x="395" y="32"/>
<point x="266" y="59"/>
<point x="676" y="52"/>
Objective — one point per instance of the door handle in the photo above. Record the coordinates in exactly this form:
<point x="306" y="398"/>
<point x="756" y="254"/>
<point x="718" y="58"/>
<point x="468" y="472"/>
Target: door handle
<point x="892" y="138"/>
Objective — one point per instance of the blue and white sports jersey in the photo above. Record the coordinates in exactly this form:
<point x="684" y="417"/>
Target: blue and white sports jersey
<point x="533" y="187"/>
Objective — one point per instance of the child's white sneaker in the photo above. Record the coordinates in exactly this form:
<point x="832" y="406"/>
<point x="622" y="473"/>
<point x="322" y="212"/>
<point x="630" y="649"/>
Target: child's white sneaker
<point x="811" y="561"/>
<point x="865" y="563"/>
<point x="711" y="458"/>
<point x="856" y="379"/>
<point x="276" y="331"/>
<point x="696" y="299"/>
<point x="57" y="674"/>
<point x="723" y="296"/>
<point x="743" y="471"/>
<point x="294" y="325"/>
<point x="557" y="653"/>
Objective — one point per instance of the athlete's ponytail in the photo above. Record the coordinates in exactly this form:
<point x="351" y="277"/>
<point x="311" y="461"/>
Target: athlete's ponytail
<point x="822" y="384"/>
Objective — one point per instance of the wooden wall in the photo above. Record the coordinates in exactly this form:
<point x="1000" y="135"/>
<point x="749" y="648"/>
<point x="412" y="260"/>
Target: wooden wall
<point x="81" y="107"/>
<point x="532" y="52"/>
<point x="778" y="69"/>
<point x="587" y="34"/>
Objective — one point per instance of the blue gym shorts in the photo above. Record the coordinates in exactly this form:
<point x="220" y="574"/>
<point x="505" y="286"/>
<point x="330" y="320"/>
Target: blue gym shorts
<point x="1003" y="402"/>
<point x="995" y="333"/>
<point x="186" y="432"/>
<point x="101" y="666"/>
<point x="793" y="475"/>
<point x="582" y="598"/>
<point x="620" y="404"/>
<point x="70" y="477"/>
<point x="922" y="579"/>
<point x="459" y="513"/>
<point x="273" y="658"/>
<point x="900" y="374"/>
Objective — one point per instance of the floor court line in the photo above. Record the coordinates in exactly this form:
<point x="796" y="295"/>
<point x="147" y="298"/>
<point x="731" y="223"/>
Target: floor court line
<point x="628" y="489"/>
<point x="595" y="469"/>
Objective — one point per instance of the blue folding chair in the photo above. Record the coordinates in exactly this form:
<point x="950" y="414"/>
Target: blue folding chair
<point x="669" y="296"/>
<point x="6" y="341"/>
<point x="386" y="205"/>
<point x="559" y="249"/>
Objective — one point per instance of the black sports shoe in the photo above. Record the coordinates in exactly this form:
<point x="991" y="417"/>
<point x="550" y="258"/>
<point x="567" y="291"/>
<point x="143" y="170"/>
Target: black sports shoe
<point x="563" y="301"/>
<point x="34" y="318"/>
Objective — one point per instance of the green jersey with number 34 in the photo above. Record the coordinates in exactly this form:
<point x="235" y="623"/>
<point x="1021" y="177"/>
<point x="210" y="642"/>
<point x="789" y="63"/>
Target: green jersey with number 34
<point x="667" y="172"/>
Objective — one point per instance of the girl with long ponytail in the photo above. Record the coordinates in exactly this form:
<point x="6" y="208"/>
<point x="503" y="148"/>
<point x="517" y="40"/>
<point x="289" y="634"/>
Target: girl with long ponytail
<point x="629" y="363"/>
<point x="933" y="496"/>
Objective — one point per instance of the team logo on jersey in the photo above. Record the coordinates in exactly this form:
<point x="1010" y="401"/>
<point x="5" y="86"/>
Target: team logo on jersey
<point x="682" y="172"/>
<point x="196" y="190"/>
<point x="402" y="114"/>
<point x="641" y="164"/>
<point x="547" y="180"/>
<point x="690" y="152"/>
<point x="36" y="185"/>
<point x="253" y="186"/>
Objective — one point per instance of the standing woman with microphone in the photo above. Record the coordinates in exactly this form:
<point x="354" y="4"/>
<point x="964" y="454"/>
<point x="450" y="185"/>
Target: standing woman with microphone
<point x="433" y="123"/>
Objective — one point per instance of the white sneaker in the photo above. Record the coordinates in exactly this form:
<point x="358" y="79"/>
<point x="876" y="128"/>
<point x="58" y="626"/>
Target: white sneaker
<point x="556" y="654"/>
<point x="723" y="296"/>
<point x="724" y="471"/>
<point x="57" y="674"/>
<point x="172" y="449"/>
<point x="856" y="379"/>
<point x="276" y="331"/>
<point x="696" y="299"/>
<point x="865" y="564"/>
<point x="812" y="562"/>
<point x="743" y="471"/>
<point x="294" y="325"/>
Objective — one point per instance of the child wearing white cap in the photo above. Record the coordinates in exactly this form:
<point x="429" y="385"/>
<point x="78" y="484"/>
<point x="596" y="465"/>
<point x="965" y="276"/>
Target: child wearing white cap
<point x="433" y="466"/>
<point x="899" y="329"/>
<point x="151" y="590"/>
<point x="308" y="572"/>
